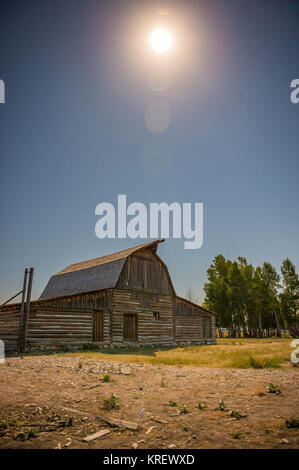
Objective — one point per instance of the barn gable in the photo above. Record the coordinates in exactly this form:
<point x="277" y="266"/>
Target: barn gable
<point x="144" y="270"/>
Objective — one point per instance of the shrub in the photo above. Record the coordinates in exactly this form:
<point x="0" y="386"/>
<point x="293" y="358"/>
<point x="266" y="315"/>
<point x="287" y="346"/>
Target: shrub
<point x="111" y="403"/>
<point x="106" y="378"/>
<point x="237" y="414"/>
<point x="183" y="410"/>
<point x="8" y="423"/>
<point x="90" y="347"/>
<point x="202" y="406"/>
<point x="292" y="423"/>
<point x="222" y="406"/>
<point x="25" y="435"/>
<point x="172" y="403"/>
<point x="66" y="423"/>
<point x="273" y="389"/>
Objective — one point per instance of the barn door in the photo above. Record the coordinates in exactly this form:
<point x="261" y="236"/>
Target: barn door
<point x="130" y="327"/>
<point x="98" y="326"/>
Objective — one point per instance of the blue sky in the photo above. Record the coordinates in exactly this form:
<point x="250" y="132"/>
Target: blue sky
<point x="73" y="134"/>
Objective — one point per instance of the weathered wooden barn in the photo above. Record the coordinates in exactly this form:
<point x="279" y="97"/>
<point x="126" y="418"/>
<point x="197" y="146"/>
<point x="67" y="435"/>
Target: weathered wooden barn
<point x="125" y="298"/>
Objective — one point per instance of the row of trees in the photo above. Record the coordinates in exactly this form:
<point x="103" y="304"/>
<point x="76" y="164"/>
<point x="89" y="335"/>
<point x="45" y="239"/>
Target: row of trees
<point x="257" y="302"/>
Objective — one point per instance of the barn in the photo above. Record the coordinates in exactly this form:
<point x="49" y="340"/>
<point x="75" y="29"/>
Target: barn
<point x="126" y="298"/>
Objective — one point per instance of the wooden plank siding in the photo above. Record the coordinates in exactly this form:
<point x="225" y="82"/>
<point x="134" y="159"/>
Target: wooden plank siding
<point x="150" y="330"/>
<point x="59" y="327"/>
<point x="92" y="300"/>
<point x="145" y="271"/>
<point x="9" y="327"/>
<point x="193" y="324"/>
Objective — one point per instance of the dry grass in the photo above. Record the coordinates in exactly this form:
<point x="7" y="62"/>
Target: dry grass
<point x="228" y="353"/>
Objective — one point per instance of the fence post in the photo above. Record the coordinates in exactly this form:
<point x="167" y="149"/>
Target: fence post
<point x="26" y="316"/>
<point x="22" y="311"/>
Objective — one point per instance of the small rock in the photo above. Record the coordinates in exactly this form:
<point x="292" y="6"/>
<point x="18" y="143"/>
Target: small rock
<point x="284" y="441"/>
<point x="172" y="446"/>
<point x="150" y="429"/>
<point x="135" y="445"/>
<point x="68" y="443"/>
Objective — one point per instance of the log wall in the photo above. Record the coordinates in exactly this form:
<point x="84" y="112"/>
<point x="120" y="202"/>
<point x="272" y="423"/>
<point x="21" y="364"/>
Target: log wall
<point x="92" y="300"/>
<point x="154" y="316"/>
<point x="59" y="327"/>
<point x="189" y="321"/>
<point x="160" y="319"/>
<point x="9" y="327"/>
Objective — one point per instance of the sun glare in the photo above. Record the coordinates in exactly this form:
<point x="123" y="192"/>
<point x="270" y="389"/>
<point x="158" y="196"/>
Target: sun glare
<point x="161" y="40"/>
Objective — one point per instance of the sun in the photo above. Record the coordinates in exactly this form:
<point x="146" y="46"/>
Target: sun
<point x="161" y="40"/>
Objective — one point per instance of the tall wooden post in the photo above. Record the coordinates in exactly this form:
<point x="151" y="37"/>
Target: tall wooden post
<point x="26" y="316"/>
<point x="22" y="311"/>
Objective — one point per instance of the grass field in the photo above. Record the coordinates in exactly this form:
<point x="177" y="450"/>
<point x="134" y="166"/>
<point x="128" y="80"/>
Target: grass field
<point x="228" y="353"/>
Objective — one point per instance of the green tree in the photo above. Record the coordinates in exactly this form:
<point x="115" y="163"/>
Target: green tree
<point x="271" y="280"/>
<point x="289" y="297"/>
<point x="245" y="299"/>
<point x="216" y="290"/>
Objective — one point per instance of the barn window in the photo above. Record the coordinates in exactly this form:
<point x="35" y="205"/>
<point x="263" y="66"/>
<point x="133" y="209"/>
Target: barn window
<point x="207" y="328"/>
<point x="156" y="315"/>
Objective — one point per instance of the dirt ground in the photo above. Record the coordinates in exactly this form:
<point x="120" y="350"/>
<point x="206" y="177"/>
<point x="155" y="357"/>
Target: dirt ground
<point x="54" y="402"/>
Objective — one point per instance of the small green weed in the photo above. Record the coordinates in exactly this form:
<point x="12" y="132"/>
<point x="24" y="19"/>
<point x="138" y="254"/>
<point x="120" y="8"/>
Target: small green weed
<point x="172" y="403"/>
<point x="183" y="410"/>
<point x="25" y="435"/>
<point x="111" y="403"/>
<point x="222" y="406"/>
<point x="106" y="378"/>
<point x="237" y="414"/>
<point x="202" y="406"/>
<point x="292" y="423"/>
<point x="8" y="423"/>
<point x="272" y="388"/>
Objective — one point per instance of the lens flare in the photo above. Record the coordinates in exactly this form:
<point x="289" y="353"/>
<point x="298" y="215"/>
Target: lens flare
<point x="161" y="41"/>
<point x="157" y="116"/>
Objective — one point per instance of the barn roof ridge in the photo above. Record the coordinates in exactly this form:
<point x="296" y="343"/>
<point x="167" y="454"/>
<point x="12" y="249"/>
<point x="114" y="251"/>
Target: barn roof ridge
<point x="90" y="263"/>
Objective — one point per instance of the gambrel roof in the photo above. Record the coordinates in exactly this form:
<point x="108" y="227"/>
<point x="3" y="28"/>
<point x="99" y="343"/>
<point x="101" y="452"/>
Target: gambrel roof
<point x="94" y="274"/>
